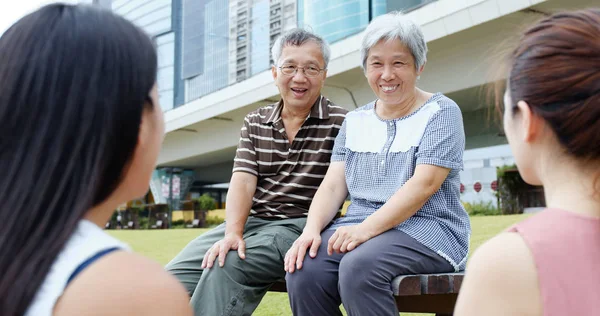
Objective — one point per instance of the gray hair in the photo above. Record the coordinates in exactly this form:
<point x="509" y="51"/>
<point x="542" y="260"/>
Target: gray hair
<point x="395" y="26"/>
<point x="298" y="37"/>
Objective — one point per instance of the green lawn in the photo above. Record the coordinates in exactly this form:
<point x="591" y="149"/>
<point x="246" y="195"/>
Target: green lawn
<point x="162" y="245"/>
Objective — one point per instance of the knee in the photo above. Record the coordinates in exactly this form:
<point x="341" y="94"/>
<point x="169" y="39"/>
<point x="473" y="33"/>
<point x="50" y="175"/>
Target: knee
<point x="309" y="276"/>
<point x="356" y="271"/>
<point x="232" y="269"/>
<point x="300" y="279"/>
<point x="296" y="282"/>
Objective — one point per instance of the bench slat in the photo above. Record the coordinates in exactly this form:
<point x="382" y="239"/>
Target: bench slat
<point x="407" y="285"/>
<point x="428" y="293"/>
<point x="439" y="284"/>
<point x="445" y="283"/>
<point x="440" y="304"/>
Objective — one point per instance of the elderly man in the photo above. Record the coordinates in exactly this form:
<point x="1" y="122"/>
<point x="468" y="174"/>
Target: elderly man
<point x="282" y="157"/>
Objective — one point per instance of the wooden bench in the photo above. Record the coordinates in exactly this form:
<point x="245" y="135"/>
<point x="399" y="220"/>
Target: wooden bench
<point x="426" y="293"/>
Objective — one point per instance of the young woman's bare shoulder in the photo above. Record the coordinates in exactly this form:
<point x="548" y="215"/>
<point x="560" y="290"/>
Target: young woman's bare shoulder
<point x="501" y="279"/>
<point x="123" y="283"/>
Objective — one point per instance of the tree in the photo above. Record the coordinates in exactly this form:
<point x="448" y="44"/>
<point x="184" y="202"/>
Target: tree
<point x="202" y="205"/>
<point x="135" y="211"/>
<point x="511" y="189"/>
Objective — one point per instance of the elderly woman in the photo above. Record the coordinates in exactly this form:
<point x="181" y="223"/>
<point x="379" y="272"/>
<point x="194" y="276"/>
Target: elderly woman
<point x="399" y="158"/>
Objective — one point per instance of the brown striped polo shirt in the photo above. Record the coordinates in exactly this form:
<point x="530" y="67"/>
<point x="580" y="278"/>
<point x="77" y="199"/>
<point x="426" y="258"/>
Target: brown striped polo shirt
<point x="288" y="174"/>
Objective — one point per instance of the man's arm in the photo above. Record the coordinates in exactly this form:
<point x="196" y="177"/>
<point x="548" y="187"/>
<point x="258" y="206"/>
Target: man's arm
<point x="239" y="202"/>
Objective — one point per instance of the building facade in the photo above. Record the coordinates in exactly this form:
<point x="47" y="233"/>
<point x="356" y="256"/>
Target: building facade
<point x="160" y="19"/>
<point x="338" y="19"/>
<point x="206" y="45"/>
<point x="254" y="25"/>
<point x="214" y="57"/>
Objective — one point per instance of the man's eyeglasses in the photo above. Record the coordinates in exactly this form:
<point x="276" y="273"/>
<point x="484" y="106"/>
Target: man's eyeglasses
<point x="310" y="71"/>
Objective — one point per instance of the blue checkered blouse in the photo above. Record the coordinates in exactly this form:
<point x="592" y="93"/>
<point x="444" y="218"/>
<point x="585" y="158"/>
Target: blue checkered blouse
<point x="381" y="155"/>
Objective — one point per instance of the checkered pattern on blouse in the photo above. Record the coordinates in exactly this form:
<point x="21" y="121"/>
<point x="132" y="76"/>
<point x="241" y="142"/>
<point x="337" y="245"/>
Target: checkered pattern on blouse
<point x="381" y="155"/>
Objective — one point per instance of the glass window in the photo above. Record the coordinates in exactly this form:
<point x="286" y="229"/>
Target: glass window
<point x="404" y="5"/>
<point x="205" y="47"/>
<point x="259" y="46"/>
<point x="334" y="19"/>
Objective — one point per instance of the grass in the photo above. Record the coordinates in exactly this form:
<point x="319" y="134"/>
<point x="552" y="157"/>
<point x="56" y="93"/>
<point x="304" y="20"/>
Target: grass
<point x="163" y="245"/>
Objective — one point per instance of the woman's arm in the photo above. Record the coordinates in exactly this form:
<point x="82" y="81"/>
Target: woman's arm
<point x="501" y="280"/>
<point x="325" y="204"/>
<point x="331" y="194"/>
<point x="440" y="150"/>
<point x="333" y="190"/>
<point x="426" y="180"/>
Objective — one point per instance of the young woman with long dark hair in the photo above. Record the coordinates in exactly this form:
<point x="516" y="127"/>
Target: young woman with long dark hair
<point x="80" y="132"/>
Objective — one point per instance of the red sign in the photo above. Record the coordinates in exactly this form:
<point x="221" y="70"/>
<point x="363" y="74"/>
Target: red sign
<point x="494" y="185"/>
<point x="462" y="188"/>
<point x="477" y="186"/>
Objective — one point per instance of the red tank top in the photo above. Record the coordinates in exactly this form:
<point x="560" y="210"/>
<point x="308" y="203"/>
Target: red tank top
<point x="566" y="251"/>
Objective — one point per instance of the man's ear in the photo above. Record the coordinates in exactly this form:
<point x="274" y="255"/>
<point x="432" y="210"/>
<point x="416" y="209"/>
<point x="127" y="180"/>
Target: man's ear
<point x="274" y="72"/>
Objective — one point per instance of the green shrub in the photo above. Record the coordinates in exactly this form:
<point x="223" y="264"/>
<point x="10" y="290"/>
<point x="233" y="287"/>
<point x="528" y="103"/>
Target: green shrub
<point x="510" y="186"/>
<point x="144" y="223"/>
<point x="481" y="209"/>
<point x="180" y="222"/>
<point x="136" y="209"/>
<point x="206" y="202"/>
<point x="214" y="221"/>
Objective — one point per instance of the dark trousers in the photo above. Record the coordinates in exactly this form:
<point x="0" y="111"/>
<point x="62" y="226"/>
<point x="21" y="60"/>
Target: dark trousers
<point x="360" y="279"/>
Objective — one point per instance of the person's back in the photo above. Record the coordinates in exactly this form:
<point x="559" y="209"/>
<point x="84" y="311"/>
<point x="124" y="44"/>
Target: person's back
<point x="549" y="263"/>
<point x="80" y="132"/>
<point x="564" y="247"/>
<point x="87" y="244"/>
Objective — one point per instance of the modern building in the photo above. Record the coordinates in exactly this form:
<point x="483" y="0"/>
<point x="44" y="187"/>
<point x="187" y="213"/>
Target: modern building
<point x="254" y="25"/>
<point x="337" y="19"/>
<point x="103" y="3"/>
<point x="161" y="20"/>
<point x="215" y="60"/>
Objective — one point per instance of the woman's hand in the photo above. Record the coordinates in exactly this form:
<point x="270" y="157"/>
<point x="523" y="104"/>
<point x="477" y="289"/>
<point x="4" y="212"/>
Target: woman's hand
<point x="295" y="256"/>
<point x="346" y="239"/>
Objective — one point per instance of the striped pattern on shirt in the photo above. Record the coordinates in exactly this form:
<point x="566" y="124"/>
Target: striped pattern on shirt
<point x="288" y="174"/>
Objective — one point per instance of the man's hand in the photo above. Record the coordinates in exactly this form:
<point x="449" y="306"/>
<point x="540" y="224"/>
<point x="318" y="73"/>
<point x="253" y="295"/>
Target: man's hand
<point x="295" y="256"/>
<point x="346" y="239"/>
<point x="222" y="247"/>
